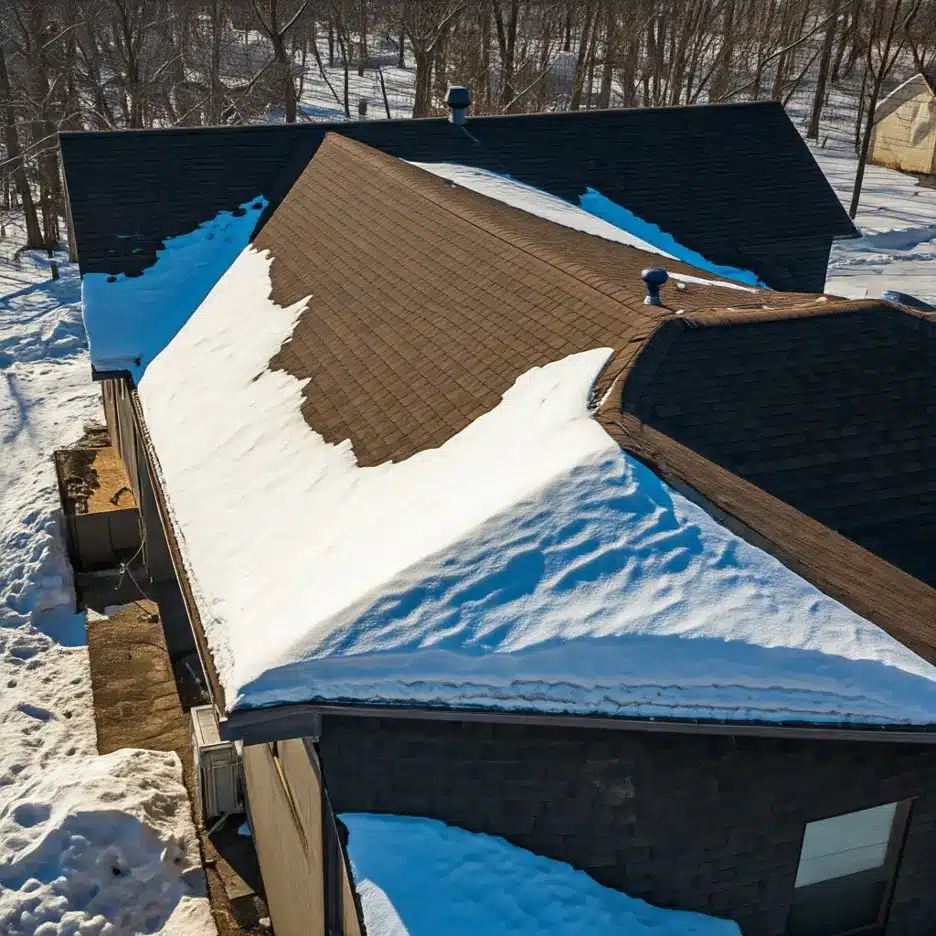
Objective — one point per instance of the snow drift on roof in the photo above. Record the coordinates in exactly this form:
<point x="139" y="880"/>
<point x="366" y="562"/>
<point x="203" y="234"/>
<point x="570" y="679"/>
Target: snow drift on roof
<point x="130" y="319"/>
<point x="526" y="564"/>
<point x="597" y="215"/>
<point x="421" y="877"/>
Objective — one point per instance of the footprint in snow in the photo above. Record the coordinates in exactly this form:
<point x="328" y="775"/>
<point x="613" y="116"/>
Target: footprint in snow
<point x="28" y="815"/>
<point x="34" y="711"/>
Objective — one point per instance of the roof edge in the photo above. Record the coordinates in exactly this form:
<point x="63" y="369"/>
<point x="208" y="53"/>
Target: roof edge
<point x="175" y="553"/>
<point x="337" y="124"/>
<point x="302" y="719"/>
<point x="848" y="573"/>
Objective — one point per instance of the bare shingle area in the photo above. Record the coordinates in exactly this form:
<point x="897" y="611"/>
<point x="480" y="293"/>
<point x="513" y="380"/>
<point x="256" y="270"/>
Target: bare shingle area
<point x="428" y="301"/>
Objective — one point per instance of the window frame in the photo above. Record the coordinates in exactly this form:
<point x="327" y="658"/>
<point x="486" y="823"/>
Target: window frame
<point x="889" y="869"/>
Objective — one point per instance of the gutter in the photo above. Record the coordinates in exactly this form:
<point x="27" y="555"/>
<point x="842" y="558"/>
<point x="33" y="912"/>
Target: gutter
<point x="302" y="719"/>
<point x="175" y="553"/>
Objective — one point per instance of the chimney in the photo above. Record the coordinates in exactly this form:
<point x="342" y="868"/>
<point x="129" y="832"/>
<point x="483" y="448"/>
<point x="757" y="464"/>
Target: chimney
<point x="458" y="100"/>
<point x="654" y="278"/>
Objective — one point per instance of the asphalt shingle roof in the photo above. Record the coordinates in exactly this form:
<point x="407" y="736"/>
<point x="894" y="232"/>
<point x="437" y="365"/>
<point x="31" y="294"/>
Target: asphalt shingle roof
<point x="721" y="179"/>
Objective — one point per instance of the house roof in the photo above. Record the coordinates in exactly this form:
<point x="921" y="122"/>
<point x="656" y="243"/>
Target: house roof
<point x="798" y="456"/>
<point x="455" y="529"/>
<point x="721" y="179"/>
<point x="476" y="294"/>
<point x="826" y="406"/>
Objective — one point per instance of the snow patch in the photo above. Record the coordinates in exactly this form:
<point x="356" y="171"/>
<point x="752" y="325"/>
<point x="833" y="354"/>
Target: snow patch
<point x="102" y="846"/>
<point x="597" y="216"/>
<point x="597" y="204"/>
<point x="897" y="249"/>
<point x="701" y="281"/>
<point x="61" y="808"/>
<point x="421" y="877"/>
<point x="130" y="319"/>
<point x="527" y="563"/>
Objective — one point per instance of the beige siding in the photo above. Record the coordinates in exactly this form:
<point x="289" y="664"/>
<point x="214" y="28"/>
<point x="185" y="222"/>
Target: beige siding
<point x="349" y="920"/>
<point x="904" y="135"/>
<point x="284" y="824"/>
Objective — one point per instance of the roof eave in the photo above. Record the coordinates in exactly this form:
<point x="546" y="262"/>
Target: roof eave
<point x="307" y="719"/>
<point x="215" y="689"/>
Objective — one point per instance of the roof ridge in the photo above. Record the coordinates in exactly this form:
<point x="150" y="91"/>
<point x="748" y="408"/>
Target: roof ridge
<point x="434" y="118"/>
<point x="815" y="307"/>
<point x="442" y="195"/>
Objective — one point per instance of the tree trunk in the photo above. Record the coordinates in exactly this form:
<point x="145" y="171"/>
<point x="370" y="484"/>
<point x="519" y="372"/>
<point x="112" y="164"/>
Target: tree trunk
<point x="578" y="78"/>
<point x="284" y="66"/>
<point x="507" y="42"/>
<point x="865" y="145"/>
<point x="422" y="92"/>
<point x="362" y="47"/>
<point x="14" y="158"/>
<point x="401" y="54"/>
<point x="725" y="54"/>
<point x="610" y="54"/>
<point x="825" y="61"/>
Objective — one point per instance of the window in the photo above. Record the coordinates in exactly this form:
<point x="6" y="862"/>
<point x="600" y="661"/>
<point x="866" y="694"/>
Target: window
<point x="846" y="870"/>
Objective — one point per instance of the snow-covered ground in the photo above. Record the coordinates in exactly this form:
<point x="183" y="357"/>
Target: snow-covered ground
<point x="89" y="846"/>
<point x="421" y="877"/>
<point x="897" y="218"/>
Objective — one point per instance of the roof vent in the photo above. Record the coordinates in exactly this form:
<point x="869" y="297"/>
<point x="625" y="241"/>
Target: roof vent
<point x="654" y="278"/>
<point x="458" y="100"/>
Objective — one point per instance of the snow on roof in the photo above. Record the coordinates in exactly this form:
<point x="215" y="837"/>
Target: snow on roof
<point x="596" y="215"/>
<point x="526" y="564"/>
<point x="130" y="319"/>
<point x="421" y="877"/>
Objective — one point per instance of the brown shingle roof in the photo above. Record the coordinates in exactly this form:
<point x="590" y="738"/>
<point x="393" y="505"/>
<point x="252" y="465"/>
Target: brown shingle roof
<point x="428" y="301"/>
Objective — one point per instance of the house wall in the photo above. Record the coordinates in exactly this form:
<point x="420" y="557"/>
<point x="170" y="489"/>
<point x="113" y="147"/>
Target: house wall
<point x="285" y="813"/>
<point x="904" y="133"/>
<point x="706" y="823"/>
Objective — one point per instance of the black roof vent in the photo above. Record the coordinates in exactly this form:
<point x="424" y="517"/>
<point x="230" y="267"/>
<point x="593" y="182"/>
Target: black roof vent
<point x="458" y="100"/>
<point x="654" y="278"/>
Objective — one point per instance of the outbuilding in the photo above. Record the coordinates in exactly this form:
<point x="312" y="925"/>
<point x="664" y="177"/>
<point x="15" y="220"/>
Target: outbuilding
<point x="904" y="134"/>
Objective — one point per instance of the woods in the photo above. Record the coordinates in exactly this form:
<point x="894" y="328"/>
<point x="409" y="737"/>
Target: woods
<point x="115" y="64"/>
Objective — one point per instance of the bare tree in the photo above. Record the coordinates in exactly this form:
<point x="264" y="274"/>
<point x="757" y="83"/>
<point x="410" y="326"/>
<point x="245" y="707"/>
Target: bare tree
<point x="887" y="31"/>
<point x="276" y="25"/>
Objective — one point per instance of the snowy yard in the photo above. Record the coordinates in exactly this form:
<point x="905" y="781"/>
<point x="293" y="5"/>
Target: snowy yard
<point x="897" y="217"/>
<point x="89" y="845"/>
